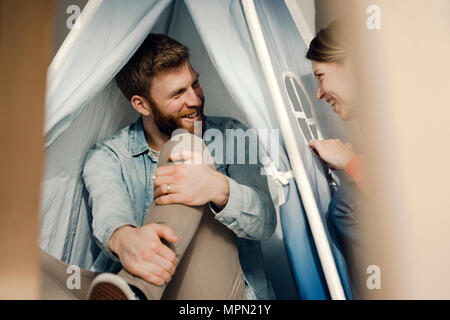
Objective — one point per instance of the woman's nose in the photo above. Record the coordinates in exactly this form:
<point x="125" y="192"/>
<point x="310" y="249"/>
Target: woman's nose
<point x="319" y="93"/>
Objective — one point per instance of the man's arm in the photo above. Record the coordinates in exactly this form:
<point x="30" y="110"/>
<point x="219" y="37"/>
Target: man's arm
<point x="139" y="249"/>
<point x="111" y="205"/>
<point x="249" y="212"/>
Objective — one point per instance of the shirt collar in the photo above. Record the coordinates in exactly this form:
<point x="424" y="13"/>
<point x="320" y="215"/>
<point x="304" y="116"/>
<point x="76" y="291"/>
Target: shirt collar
<point x="138" y="143"/>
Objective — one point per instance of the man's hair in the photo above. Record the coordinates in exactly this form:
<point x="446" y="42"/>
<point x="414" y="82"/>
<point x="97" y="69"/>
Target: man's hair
<point x="157" y="53"/>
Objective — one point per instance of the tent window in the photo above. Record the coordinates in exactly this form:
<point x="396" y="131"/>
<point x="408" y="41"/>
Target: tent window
<point x="300" y="106"/>
<point x="291" y="94"/>
<point x="304" y="128"/>
<point x="304" y="101"/>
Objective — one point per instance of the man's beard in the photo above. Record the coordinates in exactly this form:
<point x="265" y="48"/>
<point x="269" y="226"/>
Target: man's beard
<point x="168" y="124"/>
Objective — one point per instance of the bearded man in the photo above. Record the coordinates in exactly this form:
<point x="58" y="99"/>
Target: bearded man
<point x="148" y="213"/>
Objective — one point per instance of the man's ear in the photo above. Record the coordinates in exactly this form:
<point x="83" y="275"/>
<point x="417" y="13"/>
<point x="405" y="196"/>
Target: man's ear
<point x="141" y="105"/>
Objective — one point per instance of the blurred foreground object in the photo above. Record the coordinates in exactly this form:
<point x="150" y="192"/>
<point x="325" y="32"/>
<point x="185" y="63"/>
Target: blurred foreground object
<point x="25" y="46"/>
<point x="405" y="103"/>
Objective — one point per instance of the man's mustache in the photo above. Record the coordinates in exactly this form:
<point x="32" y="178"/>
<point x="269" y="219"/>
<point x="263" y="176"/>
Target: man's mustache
<point x="191" y="111"/>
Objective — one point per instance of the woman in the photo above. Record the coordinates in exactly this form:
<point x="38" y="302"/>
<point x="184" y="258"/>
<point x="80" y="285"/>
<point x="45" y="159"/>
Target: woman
<point x="332" y="64"/>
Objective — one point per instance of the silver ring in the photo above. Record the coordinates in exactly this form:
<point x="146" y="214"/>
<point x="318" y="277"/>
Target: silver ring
<point x="168" y="188"/>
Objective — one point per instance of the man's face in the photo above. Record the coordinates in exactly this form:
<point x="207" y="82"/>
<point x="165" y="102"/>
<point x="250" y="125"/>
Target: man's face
<point x="177" y="99"/>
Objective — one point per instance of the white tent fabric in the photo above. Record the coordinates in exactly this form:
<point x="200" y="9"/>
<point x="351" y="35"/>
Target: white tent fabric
<point x="84" y="105"/>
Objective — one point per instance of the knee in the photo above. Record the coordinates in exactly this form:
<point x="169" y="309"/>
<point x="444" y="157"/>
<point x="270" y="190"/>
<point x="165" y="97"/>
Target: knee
<point x="185" y="141"/>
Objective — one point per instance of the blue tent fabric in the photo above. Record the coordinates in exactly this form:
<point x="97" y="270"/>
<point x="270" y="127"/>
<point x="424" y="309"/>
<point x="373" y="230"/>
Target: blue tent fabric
<point x="287" y="51"/>
<point x="84" y="105"/>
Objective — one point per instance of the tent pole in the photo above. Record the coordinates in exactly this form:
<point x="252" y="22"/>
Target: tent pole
<point x="312" y="212"/>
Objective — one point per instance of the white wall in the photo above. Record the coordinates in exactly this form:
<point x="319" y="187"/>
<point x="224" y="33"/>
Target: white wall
<point x="308" y="8"/>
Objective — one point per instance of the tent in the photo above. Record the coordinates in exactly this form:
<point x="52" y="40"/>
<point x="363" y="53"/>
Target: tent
<point x="250" y="55"/>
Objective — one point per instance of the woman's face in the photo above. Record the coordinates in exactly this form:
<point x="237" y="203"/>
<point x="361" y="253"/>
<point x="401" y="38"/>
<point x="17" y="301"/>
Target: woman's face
<point x="337" y="85"/>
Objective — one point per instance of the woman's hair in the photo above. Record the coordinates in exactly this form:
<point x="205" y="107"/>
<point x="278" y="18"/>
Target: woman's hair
<point x="331" y="44"/>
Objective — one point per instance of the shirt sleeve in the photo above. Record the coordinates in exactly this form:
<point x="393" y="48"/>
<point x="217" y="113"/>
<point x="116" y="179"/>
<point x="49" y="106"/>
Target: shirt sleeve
<point x="108" y="197"/>
<point x="249" y="212"/>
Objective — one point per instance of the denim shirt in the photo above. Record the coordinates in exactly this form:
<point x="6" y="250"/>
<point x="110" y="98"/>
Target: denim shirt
<point x="118" y="176"/>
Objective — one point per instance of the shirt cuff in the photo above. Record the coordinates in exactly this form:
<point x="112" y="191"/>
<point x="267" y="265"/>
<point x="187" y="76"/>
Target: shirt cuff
<point x="107" y="235"/>
<point x="233" y="207"/>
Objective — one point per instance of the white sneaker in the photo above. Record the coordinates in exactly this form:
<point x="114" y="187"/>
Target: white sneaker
<point x="109" y="286"/>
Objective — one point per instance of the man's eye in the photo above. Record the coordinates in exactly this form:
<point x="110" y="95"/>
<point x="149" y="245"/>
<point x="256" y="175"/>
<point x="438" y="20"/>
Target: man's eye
<point x="178" y="94"/>
<point x="195" y="84"/>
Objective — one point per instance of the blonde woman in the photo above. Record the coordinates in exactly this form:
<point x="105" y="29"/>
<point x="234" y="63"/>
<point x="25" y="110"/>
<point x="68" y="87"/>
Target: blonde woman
<point x="332" y="64"/>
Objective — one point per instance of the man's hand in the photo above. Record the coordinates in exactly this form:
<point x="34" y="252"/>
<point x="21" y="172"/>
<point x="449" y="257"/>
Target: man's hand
<point x="142" y="253"/>
<point x="334" y="152"/>
<point x="192" y="182"/>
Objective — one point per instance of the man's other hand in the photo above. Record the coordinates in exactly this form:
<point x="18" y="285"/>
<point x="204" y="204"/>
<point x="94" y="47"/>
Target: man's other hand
<point x="142" y="253"/>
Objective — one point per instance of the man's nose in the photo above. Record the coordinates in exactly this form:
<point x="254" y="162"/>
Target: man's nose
<point x="192" y="98"/>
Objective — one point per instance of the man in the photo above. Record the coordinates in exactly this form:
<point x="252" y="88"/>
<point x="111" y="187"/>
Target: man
<point x="122" y="177"/>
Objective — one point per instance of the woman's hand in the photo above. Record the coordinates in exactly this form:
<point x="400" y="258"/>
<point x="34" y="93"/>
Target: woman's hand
<point x="334" y="152"/>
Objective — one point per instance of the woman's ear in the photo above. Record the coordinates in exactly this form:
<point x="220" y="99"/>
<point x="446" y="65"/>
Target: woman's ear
<point x="141" y="105"/>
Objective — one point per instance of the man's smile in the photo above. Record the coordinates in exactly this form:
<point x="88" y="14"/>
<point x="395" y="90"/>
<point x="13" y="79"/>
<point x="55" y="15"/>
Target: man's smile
<point x="192" y="117"/>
